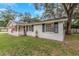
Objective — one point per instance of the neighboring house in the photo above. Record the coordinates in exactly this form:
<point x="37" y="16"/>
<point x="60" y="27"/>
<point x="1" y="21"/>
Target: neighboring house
<point x="49" y="29"/>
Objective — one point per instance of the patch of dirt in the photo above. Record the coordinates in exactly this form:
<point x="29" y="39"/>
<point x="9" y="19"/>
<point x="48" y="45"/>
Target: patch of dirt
<point x="70" y="44"/>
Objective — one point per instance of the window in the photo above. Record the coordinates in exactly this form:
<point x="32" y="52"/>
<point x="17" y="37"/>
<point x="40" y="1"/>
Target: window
<point x="53" y="27"/>
<point x="49" y="27"/>
<point x="56" y="27"/>
<point x="31" y="28"/>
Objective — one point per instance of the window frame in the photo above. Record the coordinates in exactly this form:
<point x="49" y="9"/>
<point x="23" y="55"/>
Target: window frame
<point x="49" y="29"/>
<point x="31" y="28"/>
<point x="53" y="27"/>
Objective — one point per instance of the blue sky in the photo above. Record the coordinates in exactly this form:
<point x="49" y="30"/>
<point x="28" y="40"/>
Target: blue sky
<point x="22" y="7"/>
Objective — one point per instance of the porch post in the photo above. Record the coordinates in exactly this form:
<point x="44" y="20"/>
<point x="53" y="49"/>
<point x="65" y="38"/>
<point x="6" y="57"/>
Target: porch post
<point x="24" y="30"/>
<point x="17" y="30"/>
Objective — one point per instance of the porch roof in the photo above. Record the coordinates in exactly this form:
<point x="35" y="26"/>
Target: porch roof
<point x="45" y="22"/>
<point x="36" y="23"/>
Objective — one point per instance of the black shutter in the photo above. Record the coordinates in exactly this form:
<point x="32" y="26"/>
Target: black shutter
<point x="43" y="27"/>
<point x="56" y="27"/>
<point x="32" y="28"/>
<point x="26" y="28"/>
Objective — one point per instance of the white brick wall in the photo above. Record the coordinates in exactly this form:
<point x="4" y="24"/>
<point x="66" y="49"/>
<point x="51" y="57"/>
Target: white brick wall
<point x="48" y="35"/>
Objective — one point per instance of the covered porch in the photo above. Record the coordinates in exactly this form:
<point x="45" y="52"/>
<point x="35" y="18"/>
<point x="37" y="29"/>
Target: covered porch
<point x="21" y="30"/>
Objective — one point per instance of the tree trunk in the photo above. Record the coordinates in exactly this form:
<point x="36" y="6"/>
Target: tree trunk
<point x="69" y="8"/>
<point x="68" y="26"/>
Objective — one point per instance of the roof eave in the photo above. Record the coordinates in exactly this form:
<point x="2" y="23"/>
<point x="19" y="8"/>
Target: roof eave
<point x="51" y="21"/>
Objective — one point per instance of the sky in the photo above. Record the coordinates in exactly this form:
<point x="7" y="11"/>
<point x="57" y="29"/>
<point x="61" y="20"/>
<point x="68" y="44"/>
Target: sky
<point x="22" y="7"/>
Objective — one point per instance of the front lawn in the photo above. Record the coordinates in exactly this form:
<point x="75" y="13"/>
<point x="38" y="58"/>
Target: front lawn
<point x="23" y="45"/>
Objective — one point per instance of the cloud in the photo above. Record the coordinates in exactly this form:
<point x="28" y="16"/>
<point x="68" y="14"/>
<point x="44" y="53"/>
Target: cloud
<point x="7" y="4"/>
<point x="39" y="12"/>
<point x="10" y="4"/>
<point x="2" y="9"/>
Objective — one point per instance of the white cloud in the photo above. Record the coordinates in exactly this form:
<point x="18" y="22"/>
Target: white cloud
<point x="2" y="9"/>
<point x="10" y="4"/>
<point x="39" y="12"/>
<point x="7" y="4"/>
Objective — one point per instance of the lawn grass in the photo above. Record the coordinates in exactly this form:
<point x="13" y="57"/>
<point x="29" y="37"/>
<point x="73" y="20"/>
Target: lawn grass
<point x="24" y="46"/>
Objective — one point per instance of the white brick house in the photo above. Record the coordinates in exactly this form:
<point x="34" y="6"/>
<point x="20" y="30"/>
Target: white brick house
<point x="48" y="29"/>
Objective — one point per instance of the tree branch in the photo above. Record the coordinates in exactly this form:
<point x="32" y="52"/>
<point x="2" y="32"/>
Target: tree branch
<point x="72" y="6"/>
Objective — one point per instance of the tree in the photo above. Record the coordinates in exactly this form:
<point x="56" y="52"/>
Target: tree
<point x="68" y="8"/>
<point x="25" y="17"/>
<point x="2" y="24"/>
<point x="36" y="19"/>
<point x="51" y="10"/>
<point x="75" y="21"/>
<point x="7" y="15"/>
<point x="48" y="9"/>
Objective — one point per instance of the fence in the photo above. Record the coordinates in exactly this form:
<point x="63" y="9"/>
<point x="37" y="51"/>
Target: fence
<point x="3" y="29"/>
<point x="75" y="30"/>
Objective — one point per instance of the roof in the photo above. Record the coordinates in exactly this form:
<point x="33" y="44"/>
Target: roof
<point x="55" y="19"/>
<point x="40" y="22"/>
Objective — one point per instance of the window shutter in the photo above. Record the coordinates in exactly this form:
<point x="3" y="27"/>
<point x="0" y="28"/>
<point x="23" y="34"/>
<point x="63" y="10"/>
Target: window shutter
<point x="32" y="28"/>
<point x="43" y="27"/>
<point x="56" y="27"/>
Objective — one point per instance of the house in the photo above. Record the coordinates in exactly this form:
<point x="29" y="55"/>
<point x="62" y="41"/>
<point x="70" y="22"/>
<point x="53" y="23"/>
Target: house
<point x="49" y="29"/>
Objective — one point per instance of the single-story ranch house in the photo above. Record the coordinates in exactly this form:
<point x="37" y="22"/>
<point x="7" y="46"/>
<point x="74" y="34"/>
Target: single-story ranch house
<point x="49" y="29"/>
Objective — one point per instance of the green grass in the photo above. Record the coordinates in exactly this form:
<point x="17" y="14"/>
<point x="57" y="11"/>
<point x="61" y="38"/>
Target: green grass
<point x="24" y="46"/>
